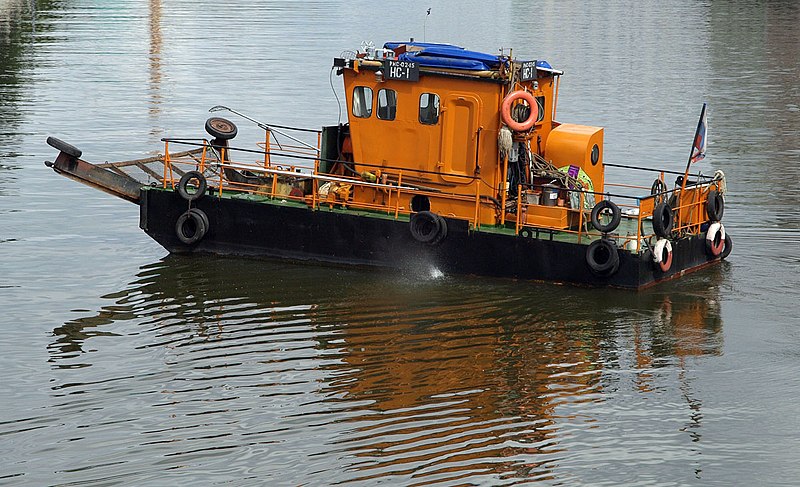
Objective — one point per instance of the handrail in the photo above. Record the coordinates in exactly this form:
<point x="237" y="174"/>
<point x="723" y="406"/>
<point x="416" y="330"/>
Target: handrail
<point x="298" y="129"/>
<point x="283" y="172"/>
<point x="393" y="189"/>
<point x="689" y="210"/>
<point x="585" y="191"/>
<point x="322" y="159"/>
<point x="639" y="168"/>
<point x="691" y="221"/>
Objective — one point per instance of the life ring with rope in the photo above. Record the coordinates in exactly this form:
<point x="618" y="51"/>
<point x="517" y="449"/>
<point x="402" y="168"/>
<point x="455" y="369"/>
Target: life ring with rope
<point x="508" y="103"/>
<point x="662" y="254"/>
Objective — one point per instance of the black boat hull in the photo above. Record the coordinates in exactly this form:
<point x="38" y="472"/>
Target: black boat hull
<point x="242" y="227"/>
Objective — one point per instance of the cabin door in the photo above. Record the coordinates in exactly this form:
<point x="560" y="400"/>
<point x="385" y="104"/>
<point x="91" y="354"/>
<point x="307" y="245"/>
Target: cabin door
<point x="460" y="115"/>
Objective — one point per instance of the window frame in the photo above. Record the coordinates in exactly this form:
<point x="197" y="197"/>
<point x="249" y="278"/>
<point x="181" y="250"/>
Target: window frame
<point x="436" y="102"/>
<point x="392" y="108"/>
<point x="360" y="99"/>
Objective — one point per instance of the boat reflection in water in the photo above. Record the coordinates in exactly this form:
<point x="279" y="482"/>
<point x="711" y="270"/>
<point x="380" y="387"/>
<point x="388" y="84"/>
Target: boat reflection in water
<point x="339" y="375"/>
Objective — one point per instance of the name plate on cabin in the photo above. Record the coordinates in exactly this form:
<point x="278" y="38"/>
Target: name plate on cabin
<point x="401" y="70"/>
<point x="528" y="71"/>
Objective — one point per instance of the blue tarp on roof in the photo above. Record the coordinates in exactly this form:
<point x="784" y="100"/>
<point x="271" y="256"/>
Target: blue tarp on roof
<point x="446" y="56"/>
<point x="395" y="45"/>
<point x="450" y="56"/>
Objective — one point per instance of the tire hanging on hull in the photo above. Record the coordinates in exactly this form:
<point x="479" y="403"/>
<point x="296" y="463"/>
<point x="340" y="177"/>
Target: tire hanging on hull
<point x="192" y="226"/>
<point x="728" y="247"/>
<point x="183" y="186"/>
<point x="602" y="257"/>
<point x="427" y="227"/>
<point x="663" y="219"/>
<point x="616" y="216"/>
<point x="715" y="206"/>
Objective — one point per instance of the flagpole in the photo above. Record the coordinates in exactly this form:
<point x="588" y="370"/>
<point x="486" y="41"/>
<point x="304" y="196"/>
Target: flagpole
<point x="689" y="162"/>
<point x="691" y="152"/>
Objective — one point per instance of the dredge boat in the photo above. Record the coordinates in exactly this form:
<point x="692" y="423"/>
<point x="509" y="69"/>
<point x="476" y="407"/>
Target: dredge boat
<point x="450" y="158"/>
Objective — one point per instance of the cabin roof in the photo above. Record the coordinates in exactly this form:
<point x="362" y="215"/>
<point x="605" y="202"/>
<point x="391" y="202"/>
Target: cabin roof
<point x="451" y="56"/>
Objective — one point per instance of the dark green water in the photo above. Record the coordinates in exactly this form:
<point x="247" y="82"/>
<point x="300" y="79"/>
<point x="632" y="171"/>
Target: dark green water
<point x="123" y="365"/>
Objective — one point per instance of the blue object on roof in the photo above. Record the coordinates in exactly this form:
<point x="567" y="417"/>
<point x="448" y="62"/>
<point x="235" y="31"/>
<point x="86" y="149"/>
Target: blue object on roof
<point x="450" y="56"/>
<point x="446" y="56"/>
<point x="395" y="45"/>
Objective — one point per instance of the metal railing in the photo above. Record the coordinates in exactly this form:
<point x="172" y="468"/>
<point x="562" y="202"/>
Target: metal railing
<point x="270" y="179"/>
<point x="283" y="167"/>
<point x="688" y="206"/>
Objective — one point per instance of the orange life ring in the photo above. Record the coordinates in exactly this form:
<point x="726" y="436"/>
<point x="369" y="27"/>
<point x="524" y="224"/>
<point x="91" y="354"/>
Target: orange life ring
<point x="505" y="111"/>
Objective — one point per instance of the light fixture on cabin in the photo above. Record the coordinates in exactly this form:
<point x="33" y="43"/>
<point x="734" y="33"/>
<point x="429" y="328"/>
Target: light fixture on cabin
<point x="379" y="76"/>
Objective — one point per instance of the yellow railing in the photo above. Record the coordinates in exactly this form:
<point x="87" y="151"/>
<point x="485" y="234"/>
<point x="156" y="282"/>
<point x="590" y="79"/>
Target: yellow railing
<point x="273" y="178"/>
<point x="688" y="213"/>
<point x="274" y="181"/>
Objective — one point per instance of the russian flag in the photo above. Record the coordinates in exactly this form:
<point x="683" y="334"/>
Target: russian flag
<point x="700" y="138"/>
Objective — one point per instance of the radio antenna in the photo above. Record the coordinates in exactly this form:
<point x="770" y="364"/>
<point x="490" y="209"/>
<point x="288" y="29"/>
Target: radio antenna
<point x="424" y="26"/>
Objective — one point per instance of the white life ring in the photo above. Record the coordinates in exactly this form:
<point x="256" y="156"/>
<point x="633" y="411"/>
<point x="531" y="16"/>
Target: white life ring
<point x="664" y="262"/>
<point x="715" y="239"/>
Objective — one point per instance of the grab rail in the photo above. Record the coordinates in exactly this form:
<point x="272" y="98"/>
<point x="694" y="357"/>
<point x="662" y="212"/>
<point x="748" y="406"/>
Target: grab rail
<point x="264" y="181"/>
<point x="272" y="179"/>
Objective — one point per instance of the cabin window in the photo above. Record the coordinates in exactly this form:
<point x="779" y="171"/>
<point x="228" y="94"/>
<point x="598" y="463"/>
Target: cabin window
<point x="362" y="101"/>
<point x="429" y="108"/>
<point x="387" y="104"/>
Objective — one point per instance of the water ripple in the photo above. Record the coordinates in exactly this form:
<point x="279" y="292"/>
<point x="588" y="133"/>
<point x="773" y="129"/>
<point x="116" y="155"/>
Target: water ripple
<point x="378" y="381"/>
<point x="203" y="370"/>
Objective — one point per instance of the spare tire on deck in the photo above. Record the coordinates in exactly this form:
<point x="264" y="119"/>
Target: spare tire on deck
<point x="67" y="149"/>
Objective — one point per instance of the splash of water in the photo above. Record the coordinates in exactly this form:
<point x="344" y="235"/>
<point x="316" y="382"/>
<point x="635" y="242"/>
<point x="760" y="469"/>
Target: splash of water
<point x="435" y="273"/>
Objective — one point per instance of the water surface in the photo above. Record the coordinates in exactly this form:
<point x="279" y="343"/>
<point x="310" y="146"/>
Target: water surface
<point x="123" y="365"/>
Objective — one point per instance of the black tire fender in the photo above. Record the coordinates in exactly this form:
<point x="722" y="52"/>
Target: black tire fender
<point x="203" y="216"/>
<point x="442" y="230"/>
<point x="726" y="251"/>
<point x="663" y="219"/>
<point x="221" y="128"/>
<point x="202" y="186"/>
<point x="602" y="257"/>
<point x="67" y="149"/>
<point x="191" y="226"/>
<point x="616" y="216"/>
<point x="715" y="206"/>
<point x="425" y="226"/>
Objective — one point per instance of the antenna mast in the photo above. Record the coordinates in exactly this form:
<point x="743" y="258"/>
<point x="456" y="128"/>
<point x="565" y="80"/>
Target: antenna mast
<point x="424" y="26"/>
